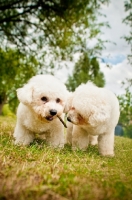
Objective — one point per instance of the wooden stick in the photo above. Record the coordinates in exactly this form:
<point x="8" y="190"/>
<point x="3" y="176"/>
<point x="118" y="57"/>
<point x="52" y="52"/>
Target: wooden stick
<point x="62" y="121"/>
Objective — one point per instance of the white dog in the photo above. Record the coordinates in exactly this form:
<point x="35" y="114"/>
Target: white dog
<point x="42" y="99"/>
<point x="94" y="112"/>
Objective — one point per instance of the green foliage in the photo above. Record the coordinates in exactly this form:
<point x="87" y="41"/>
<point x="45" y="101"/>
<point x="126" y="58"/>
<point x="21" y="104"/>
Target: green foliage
<point x="15" y="69"/>
<point x="40" y="172"/>
<point x="126" y="111"/>
<point x="49" y="27"/>
<point x="7" y="112"/>
<point x="85" y="69"/>
<point x="128" y="21"/>
<point x="50" y="31"/>
<point x="126" y="100"/>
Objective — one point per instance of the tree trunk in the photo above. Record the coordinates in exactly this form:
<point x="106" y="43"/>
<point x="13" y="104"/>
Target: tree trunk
<point x="1" y="107"/>
<point x="2" y="102"/>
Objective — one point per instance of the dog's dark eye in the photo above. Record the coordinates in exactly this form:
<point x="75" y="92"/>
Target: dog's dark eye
<point x="44" y="99"/>
<point x="58" y="100"/>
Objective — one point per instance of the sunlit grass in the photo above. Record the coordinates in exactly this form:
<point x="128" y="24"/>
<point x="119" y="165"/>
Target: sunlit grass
<point x="40" y="172"/>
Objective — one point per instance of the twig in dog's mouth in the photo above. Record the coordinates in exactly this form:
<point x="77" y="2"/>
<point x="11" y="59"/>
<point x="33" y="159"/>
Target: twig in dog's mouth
<point x="62" y="121"/>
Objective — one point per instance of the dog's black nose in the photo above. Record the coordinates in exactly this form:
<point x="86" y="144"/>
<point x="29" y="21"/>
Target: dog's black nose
<point x="53" y="112"/>
<point x="68" y="119"/>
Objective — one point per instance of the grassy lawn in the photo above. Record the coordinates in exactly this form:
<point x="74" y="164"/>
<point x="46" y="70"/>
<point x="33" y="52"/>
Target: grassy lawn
<point x="39" y="172"/>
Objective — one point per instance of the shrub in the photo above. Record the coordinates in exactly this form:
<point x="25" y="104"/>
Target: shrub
<point x="7" y="112"/>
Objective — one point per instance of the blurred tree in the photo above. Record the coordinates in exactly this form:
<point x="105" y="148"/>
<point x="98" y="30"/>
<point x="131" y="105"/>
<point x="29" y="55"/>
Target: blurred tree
<point x="128" y="21"/>
<point x="125" y="101"/>
<point x="15" y="69"/>
<point x="50" y="31"/>
<point x="85" y="69"/>
<point x="55" y="27"/>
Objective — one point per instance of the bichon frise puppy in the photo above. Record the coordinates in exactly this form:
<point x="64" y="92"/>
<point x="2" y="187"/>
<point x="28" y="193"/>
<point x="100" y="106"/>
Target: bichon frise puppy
<point x="94" y="112"/>
<point x="42" y="101"/>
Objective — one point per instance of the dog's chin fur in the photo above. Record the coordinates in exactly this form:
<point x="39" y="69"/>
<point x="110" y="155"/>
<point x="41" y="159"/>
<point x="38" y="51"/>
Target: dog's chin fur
<point x="94" y="113"/>
<point x="46" y="119"/>
<point x="42" y="99"/>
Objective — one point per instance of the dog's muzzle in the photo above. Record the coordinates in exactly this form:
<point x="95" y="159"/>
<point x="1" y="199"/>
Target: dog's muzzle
<point x="52" y="112"/>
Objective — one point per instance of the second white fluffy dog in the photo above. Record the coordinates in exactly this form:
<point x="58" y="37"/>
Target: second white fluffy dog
<point x="94" y="112"/>
<point x="42" y="99"/>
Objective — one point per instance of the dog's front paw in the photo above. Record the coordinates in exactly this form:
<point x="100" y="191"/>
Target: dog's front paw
<point x="59" y="146"/>
<point x="24" y="140"/>
<point x="107" y="153"/>
<point x="24" y="143"/>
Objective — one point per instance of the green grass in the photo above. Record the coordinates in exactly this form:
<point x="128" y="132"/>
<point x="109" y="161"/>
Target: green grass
<point x="39" y="172"/>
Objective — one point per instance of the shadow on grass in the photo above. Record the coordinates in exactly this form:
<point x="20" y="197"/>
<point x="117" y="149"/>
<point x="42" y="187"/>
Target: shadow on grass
<point x="91" y="150"/>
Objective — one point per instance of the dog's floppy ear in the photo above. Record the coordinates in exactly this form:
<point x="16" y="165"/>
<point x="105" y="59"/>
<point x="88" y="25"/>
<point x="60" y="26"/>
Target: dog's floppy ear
<point x="99" y="115"/>
<point x="24" y="94"/>
<point x="68" y="102"/>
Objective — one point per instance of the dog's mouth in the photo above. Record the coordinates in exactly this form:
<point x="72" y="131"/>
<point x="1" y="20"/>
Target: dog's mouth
<point x="49" y="118"/>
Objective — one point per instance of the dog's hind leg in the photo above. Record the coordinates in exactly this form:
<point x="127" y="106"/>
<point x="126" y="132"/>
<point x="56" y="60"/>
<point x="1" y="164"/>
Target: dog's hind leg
<point x="93" y="139"/>
<point x="80" y="139"/>
<point x="69" y="130"/>
<point x="106" y="144"/>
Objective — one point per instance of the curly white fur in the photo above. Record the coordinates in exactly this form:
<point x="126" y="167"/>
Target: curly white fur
<point x="41" y="100"/>
<point x="94" y="113"/>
